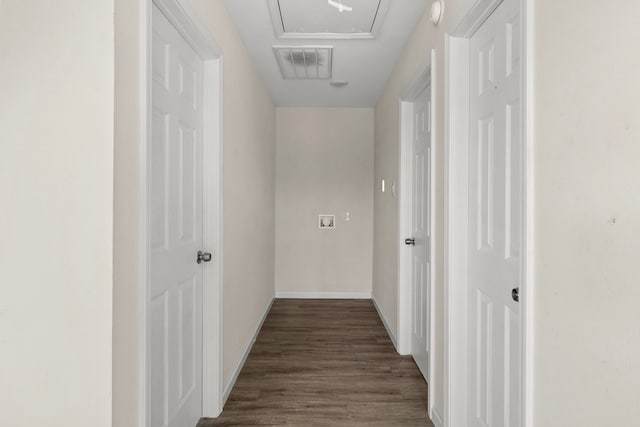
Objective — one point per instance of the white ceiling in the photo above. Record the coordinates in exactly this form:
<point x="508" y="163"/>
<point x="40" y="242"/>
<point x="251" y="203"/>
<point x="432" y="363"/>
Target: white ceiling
<point x="366" y="63"/>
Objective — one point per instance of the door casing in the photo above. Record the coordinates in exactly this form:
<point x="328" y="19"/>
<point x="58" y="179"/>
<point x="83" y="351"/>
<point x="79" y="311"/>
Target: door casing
<point x="424" y="77"/>
<point x="186" y="21"/>
<point x="456" y="154"/>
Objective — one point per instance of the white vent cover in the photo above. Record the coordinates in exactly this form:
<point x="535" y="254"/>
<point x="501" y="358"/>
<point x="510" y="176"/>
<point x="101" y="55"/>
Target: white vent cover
<point x="304" y="62"/>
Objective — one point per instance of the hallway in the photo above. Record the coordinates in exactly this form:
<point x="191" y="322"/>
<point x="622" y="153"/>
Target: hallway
<point x="452" y="179"/>
<point x="325" y="362"/>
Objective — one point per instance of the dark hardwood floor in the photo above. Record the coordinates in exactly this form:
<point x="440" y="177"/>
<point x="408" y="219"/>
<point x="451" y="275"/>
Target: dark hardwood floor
<point x="325" y="363"/>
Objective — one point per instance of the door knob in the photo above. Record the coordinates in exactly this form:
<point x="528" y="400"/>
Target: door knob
<point x="203" y="257"/>
<point x="410" y="242"/>
<point x="515" y="294"/>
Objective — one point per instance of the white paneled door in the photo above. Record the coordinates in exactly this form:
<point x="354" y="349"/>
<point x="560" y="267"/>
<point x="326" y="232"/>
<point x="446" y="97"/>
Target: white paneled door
<point x="495" y="220"/>
<point x="421" y="229"/>
<point x="176" y="204"/>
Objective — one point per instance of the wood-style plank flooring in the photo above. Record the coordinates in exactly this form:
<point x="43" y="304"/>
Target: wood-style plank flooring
<point x="325" y="363"/>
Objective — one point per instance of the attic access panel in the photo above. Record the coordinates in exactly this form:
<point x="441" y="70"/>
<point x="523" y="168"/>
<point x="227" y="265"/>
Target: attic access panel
<point x="318" y="19"/>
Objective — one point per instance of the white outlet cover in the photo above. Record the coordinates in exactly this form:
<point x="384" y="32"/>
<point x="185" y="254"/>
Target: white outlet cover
<point x="326" y="221"/>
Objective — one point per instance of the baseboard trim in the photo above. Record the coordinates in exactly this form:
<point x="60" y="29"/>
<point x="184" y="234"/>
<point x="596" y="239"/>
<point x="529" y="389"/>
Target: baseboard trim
<point x="436" y="418"/>
<point x="323" y="295"/>
<point x="240" y="365"/>
<point x="385" y="323"/>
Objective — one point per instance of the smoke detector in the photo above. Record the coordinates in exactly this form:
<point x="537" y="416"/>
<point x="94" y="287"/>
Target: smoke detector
<point x="338" y="83"/>
<point x="437" y="8"/>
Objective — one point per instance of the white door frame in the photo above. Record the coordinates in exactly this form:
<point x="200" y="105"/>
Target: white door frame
<point x="186" y="21"/>
<point x="456" y="210"/>
<point x="426" y="76"/>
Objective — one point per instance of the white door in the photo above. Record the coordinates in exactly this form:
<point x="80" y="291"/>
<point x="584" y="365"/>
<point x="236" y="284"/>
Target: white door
<point x="421" y="228"/>
<point x="495" y="220"/>
<point x="176" y="203"/>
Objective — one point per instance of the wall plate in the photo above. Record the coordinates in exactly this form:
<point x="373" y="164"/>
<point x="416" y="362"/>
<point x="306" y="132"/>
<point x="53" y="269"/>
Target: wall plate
<point x="326" y="221"/>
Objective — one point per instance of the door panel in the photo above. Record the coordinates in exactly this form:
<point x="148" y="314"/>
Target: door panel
<point x="421" y="229"/>
<point x="159" y="314"/>
<point x="512" y="367"/>
<point x="484" y="181"/>
<point x="495" y="219"/>
<point x="176" y="204"/>
<point x="513" y="181"/>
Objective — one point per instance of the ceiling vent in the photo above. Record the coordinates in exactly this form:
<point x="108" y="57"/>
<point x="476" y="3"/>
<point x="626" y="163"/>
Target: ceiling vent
<point x="304" y="62"/>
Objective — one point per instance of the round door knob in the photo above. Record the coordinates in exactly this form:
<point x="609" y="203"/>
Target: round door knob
<point x="410" y="242"/>
<point x="203" y="257"/>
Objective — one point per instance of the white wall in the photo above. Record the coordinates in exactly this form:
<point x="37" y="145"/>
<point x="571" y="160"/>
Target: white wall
<point x="56" y="177"/>
<point x="126" y="216"/>
<point x="386" y="238"/>
<point x="249" y="187"/>
<point x="587" y="213"/>
<point x="324" y="166"/>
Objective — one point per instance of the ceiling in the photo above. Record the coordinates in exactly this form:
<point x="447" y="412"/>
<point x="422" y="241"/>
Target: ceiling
<point x="367" y="42"/>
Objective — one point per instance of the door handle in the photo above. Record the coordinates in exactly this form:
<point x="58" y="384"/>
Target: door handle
<point x="410" y="242"/>
<point x="515" y="294"/>
<point x="203" y="257"/>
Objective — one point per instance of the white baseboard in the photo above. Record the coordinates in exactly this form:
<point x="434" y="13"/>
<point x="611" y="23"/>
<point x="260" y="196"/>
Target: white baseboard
<point x="436" y="418"/>
<point x="323" y="295"/>
<point x="385" y="323"/>
<point x="247" y="350"/>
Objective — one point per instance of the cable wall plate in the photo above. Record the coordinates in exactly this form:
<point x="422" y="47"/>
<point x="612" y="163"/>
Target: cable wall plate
<point x="326" y="221"/>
